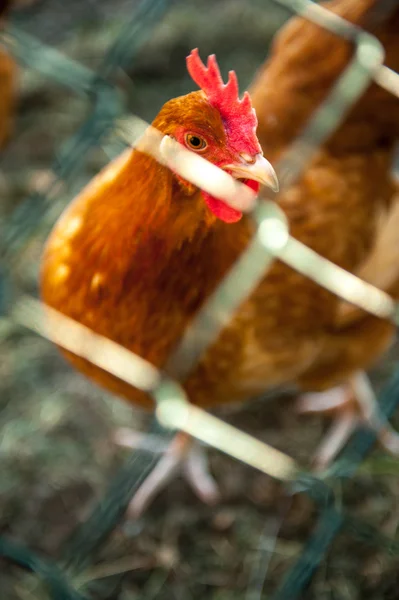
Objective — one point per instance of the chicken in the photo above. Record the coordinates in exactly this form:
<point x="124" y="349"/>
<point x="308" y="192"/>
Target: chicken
<point x="350" y="194"/>
<point x="137" y="253"/>
<point x="7" y="85"/>
<point x="139" y="250"/>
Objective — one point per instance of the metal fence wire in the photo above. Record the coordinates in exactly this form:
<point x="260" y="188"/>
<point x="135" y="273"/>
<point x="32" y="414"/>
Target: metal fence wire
<point x="109" y="126"/>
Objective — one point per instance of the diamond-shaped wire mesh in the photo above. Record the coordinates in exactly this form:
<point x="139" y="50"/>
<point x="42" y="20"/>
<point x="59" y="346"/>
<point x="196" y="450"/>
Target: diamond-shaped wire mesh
<point x="108" y="125"/>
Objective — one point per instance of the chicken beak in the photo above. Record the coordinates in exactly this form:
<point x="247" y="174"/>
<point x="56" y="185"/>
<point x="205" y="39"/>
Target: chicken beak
<point x="256" y="168"/>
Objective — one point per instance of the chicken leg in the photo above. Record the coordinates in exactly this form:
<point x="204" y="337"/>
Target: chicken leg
<point x="183" y="456"/>
<point x="354" y="403"/>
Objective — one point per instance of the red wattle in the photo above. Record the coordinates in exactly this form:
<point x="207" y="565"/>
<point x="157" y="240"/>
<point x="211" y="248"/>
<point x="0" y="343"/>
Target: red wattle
<point x="223" y="211"/>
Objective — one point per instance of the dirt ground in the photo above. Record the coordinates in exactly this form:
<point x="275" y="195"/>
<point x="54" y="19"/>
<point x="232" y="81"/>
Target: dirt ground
<point x="56" y="429"/>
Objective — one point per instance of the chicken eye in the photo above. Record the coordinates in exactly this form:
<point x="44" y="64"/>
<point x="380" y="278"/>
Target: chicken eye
<point x="195" y="142"/>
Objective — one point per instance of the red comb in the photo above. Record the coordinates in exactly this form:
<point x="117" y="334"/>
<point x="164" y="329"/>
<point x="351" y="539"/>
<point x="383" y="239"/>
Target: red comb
<point x="223" y="96"/>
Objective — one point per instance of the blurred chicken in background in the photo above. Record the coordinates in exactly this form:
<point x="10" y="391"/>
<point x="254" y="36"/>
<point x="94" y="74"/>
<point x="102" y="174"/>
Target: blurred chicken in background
<point x="7" y="84"/>
<point x="345" y="206"/>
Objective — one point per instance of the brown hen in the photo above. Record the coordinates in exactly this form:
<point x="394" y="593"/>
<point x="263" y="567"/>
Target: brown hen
<point x="346" y="199"/>
<point x="138" y="252"/>
<point x="7" y="85"/>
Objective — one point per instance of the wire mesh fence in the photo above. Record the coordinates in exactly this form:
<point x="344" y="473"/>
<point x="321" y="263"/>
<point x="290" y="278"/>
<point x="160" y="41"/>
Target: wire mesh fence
<point x="110" y="127"/>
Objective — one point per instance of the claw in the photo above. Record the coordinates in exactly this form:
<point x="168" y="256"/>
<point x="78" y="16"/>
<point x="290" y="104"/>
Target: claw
<point x="354" y="403"/>
<point x="183" y="456"/>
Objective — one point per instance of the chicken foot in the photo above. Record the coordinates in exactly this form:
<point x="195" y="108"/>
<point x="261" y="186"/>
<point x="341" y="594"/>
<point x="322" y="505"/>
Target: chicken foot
<point x="183" y="456"/>
<point x="354" y="403"/>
